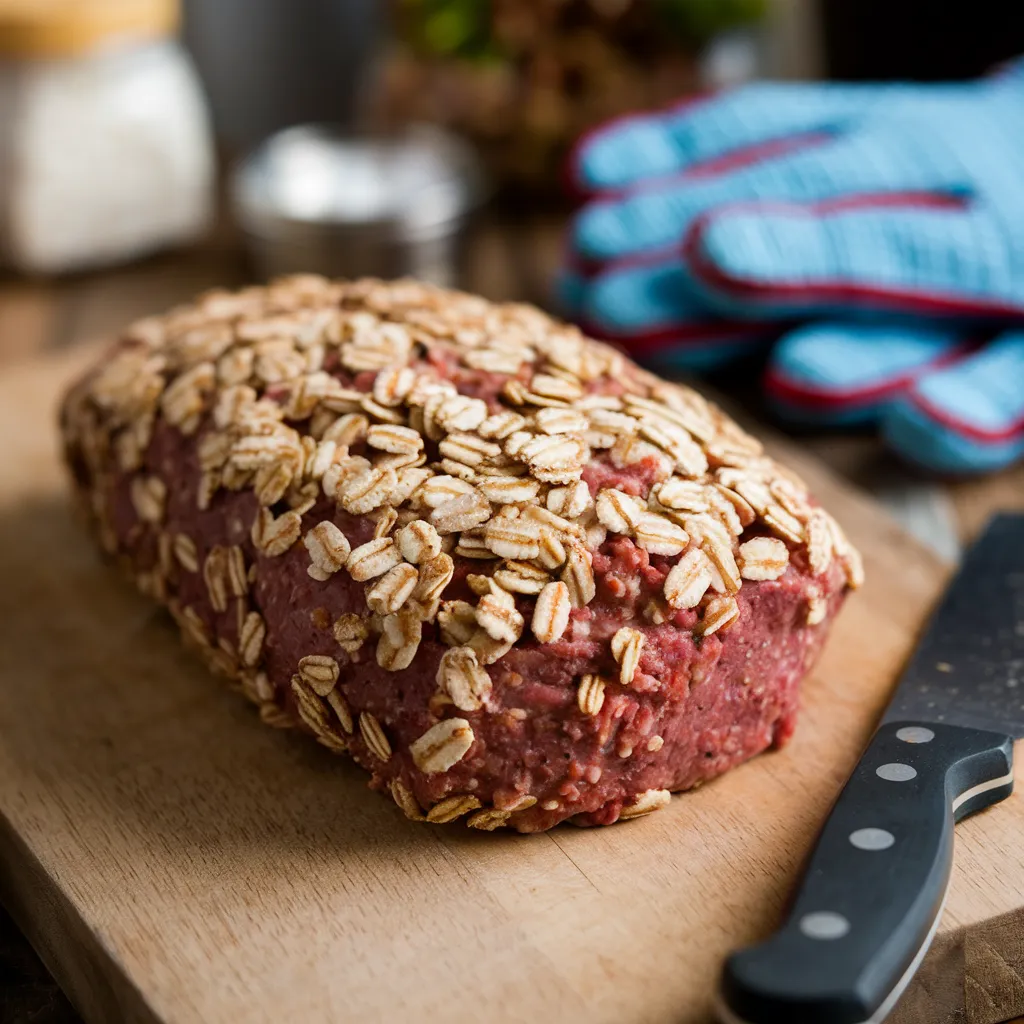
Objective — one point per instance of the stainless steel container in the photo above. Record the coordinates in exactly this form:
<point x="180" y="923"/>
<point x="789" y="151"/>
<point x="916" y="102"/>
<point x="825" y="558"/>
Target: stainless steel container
<point x="315" y="199"/>
<point x="271" y="64"/>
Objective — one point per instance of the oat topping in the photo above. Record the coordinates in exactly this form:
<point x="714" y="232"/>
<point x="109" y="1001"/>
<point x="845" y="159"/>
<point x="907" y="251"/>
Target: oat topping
<point x="475" y="442"/>
<point x="817" y="608"/>
<point x="273" y="536"/>
<point x="617" y="511"/>
<point x="819" y="544"/>
<point x="434" y="576"/>
<point x="496" y="613"/>
<point x="250" y="639"/>
<point x="651" y="800"/>
<point x="488" y="649"/>
<point x="193" y="626"/>
<point x="659" y="536"/>
<point x="392" y="589"/>
<point x="688" y="580"/>
<point x="590" y="695"/>
<point x="319" y="672"/>
<point x="561" y="421"/>
<point x="399" y="639"/>
<point x="452" y="807"/>
<point x="373" y="559"/>
<point x="351" y="632"/>
<point x="373" y="736"/>
<point x="215" y="576"/>
<point x="386" y="519"/>
<point x="720" y="614"/>
<point x="570" y="501"/>
<point x="185" y="552"/>
<point x="578" y="575"/>
<point x="238" y="574"/>
<point x="418" y="542"/>
<point x="461" y="514"/>
<point x="316" y="714"/>
<point x="849" y="556"/>
<point x="461" y="677"/>
<point x="406" y="800"/>
<point x="551" y="612"/>
<point x="763" y="558"/>
<point x="626" y="647"/>
<point x="442" y="745"/>
<point x="489" y="819"/>
<point x="276" y="717"/>
<point x="457" y="622"/>
<point x="720" y="554"/>
<point x="148" y="495"/>
<point x="387" y="437"/>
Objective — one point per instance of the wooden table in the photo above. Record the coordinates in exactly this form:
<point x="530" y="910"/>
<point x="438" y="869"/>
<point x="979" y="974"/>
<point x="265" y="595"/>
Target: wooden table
<point x="506" y="262"/>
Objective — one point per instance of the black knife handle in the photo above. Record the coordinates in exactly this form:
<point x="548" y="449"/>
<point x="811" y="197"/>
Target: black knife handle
<point x="876" y="881"/>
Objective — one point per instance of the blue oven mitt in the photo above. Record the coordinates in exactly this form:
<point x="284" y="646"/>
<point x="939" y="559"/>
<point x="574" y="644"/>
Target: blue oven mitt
<point x="878" y="228"/>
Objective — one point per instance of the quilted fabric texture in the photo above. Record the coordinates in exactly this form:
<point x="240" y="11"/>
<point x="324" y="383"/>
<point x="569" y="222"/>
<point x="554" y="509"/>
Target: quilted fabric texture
<point x="886" y="220"/>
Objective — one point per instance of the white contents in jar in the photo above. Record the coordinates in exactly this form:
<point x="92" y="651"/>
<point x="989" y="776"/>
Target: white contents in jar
<point x="103" y="157"/>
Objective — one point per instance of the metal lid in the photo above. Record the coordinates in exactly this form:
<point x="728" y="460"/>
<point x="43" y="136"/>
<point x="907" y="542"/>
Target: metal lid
<point x="416" y="183"/>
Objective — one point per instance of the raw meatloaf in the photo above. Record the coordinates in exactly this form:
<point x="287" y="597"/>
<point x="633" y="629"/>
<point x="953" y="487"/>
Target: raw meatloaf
<point x="517" y="578"/>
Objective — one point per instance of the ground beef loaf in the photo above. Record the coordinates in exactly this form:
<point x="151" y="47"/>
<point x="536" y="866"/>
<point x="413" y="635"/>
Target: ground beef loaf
<point x="517" y="578"/>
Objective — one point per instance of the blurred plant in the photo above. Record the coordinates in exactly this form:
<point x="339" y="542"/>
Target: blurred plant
<point x="451" y="28"/>
<point x="523" y="78"/>
<point x="701" y="20"/>
<point x="470" y="29"/>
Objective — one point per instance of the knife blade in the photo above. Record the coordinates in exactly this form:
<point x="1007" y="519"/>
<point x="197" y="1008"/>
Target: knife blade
<point x="872" y="896"/>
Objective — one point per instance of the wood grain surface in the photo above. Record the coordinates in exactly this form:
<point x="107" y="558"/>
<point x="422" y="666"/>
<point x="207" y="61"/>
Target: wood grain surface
<point x="174" y="860"/>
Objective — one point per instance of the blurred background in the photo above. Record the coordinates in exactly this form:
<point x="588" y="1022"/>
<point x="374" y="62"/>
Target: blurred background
<point x="254" y="137"/>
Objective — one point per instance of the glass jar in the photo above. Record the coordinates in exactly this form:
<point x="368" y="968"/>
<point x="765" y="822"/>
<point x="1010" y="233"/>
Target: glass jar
<point x="105" y="147"/>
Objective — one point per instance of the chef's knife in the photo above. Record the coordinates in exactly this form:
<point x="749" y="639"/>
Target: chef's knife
<point x="871" y="899"/>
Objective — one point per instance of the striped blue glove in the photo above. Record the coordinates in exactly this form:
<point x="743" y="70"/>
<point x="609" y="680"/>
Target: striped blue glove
<point x="887" y="219"/>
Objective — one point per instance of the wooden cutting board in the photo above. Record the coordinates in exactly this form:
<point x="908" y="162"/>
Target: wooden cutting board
<point x="173" y="860"/>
